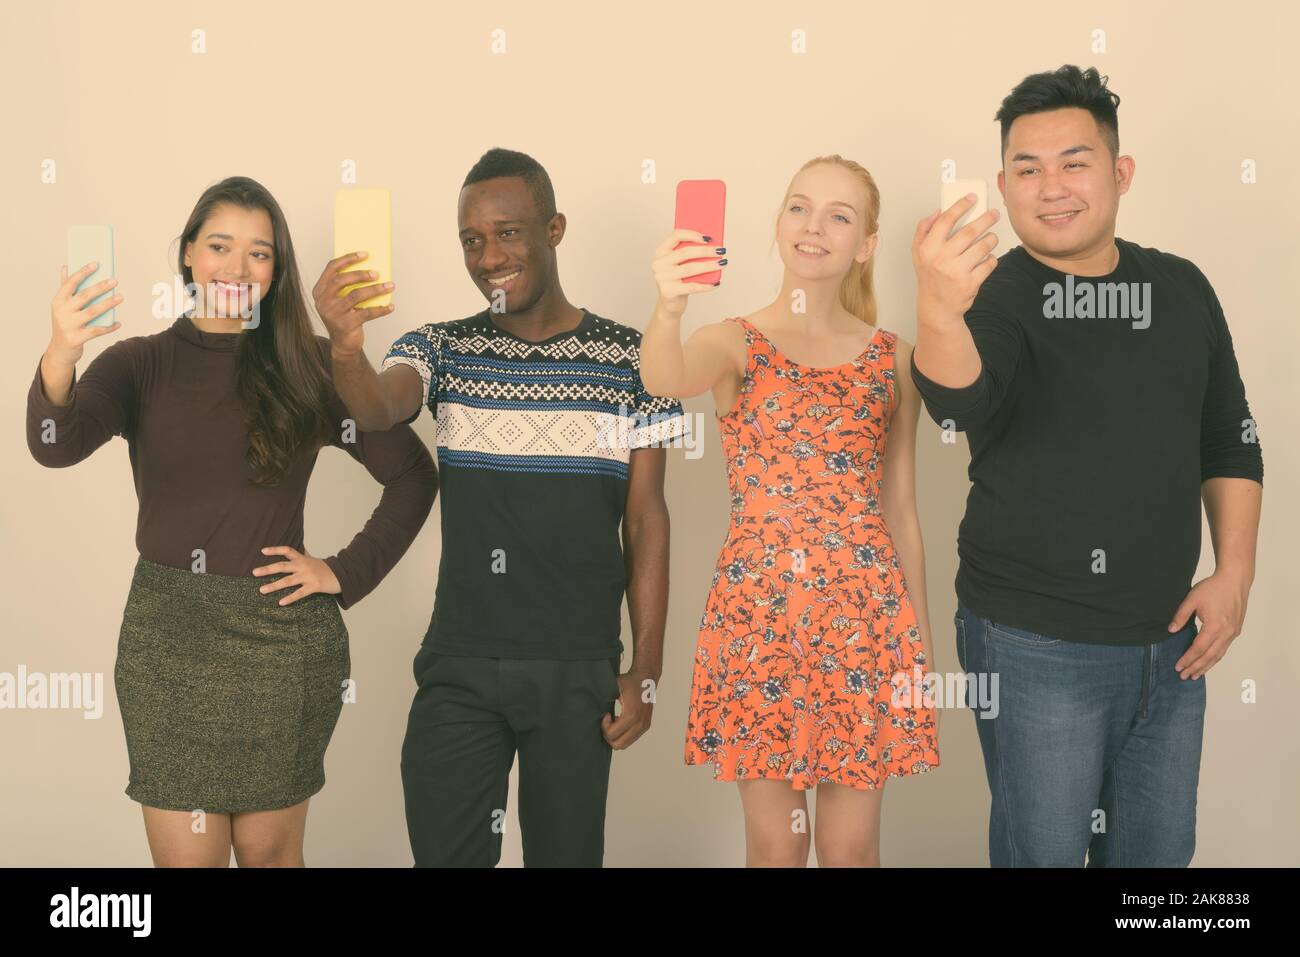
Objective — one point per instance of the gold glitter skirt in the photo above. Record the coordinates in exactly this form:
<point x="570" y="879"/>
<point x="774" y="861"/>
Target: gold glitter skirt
<point x="228" y="700"/>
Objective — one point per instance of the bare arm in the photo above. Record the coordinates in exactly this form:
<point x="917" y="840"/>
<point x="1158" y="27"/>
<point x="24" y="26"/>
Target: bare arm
<point x="898" y="493"/>
<point x="898" y="502"/>
<point x="645" y="554"/>
<point x="1232" y="508"/>
<point x="669" y="368"/>
<point x="376" y="401"/>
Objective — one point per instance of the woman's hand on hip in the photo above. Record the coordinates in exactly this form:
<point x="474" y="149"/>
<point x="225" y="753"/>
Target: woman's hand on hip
<point x="313" y="574"/>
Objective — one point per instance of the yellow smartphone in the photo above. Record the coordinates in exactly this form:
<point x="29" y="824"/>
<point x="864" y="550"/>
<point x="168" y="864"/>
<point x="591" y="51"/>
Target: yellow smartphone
<point x="363" y="220"/>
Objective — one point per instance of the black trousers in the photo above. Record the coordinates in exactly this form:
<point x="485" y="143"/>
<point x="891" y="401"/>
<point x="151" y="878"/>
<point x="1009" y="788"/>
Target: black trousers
<point x="469" y="718"/>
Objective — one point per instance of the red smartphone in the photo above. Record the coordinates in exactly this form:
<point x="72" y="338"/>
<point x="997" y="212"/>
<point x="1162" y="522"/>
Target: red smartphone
<point x="701" y="204"/>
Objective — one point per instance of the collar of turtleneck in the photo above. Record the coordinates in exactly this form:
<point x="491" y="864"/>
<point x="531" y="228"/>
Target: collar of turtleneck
<point x="220" y="341"/>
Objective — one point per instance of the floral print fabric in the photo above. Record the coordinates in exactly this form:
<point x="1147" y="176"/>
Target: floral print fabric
<point x="809" y="658"/>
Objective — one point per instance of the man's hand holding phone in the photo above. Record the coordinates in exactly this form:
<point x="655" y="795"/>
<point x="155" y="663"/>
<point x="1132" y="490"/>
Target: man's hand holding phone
<point x="363" y="220"/>
<point x="342" y="314"/>
<point x="951" y="268"/>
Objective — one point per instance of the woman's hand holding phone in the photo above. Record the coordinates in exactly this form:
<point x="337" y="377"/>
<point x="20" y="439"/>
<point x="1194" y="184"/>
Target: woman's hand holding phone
<point x="69" y="332"/>
<point x="342" y="316"/>
<point x="950" y="269"/>
<point x="671" y="270"/>
<point x="69" y="313"/>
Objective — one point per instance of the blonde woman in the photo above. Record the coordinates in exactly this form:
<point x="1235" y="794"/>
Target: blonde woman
<point x="814" y="636"/>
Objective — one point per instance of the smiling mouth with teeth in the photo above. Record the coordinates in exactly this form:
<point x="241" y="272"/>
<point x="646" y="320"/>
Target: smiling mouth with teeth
<point x="1056" y="217"/>
<point x="504" y="279"/>
<point x="810" y="250"/>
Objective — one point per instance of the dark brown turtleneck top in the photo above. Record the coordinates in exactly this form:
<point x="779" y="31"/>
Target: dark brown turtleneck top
<point x="171" y="395"/>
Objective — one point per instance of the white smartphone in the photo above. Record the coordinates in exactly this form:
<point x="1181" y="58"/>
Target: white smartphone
<point x="949" y="193"/>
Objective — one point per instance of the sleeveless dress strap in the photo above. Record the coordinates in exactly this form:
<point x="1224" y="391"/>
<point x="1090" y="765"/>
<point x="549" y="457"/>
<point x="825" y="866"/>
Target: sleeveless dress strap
<point x="748" y="329"/>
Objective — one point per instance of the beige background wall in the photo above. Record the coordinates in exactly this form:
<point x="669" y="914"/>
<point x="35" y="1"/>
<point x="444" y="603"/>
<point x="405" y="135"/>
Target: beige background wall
<point x="286" y="93"/>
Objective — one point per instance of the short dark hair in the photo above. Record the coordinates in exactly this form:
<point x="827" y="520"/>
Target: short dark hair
<point x="501" y="162"/>
<point x="1069" y="86"/>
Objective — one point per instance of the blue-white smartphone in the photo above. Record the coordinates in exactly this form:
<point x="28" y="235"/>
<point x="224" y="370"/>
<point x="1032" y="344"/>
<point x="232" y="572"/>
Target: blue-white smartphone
<point x="93" y="244"/>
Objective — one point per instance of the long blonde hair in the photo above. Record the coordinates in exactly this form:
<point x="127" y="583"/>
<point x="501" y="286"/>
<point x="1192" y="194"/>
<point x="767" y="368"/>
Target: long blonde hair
<point x="857" y="291"/>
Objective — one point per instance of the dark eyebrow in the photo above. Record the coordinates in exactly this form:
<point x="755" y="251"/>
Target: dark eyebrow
<point x="497" y="223"/>
<point x="835" y="202"/>
<point x="1031" y="158"/>
<point x="256" y="242"/>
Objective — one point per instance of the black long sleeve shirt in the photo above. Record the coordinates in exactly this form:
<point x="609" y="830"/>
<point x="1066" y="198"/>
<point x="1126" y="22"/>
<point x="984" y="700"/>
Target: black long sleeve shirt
<point x="1090" y="435"/>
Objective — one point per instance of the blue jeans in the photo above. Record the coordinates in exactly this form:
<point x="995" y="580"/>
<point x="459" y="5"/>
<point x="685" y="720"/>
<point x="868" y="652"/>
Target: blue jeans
<point x="1090" y="749"/>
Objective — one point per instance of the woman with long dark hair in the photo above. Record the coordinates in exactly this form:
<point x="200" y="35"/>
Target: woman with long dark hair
<point x="233" y="659"/>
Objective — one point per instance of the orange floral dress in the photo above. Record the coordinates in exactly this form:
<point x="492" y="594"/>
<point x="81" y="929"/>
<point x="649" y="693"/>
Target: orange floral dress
<point x="809" y="657"/>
